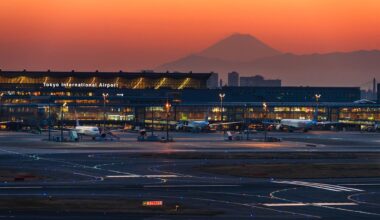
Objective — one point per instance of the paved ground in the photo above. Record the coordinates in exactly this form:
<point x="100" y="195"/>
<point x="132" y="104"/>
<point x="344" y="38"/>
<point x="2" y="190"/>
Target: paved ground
<point x="119" y="170"/>
<point x="207" y="142"/>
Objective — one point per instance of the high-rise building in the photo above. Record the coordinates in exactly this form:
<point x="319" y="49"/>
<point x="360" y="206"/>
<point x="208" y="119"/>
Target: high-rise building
<point x="212" y="82"/>
<point x="370" y="93"/>
<point x="233" y="79"/>
<point x="374" y="86"/>
<point x="259" y="81"/>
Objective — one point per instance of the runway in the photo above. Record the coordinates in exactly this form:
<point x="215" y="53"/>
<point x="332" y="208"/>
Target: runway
<point x="121" y="173"/>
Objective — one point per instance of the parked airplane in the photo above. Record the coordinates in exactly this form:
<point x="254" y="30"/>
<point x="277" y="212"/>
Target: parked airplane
<point x="302" y="124"/>
<point x="91" y="131"/>
<point x="200" y="125"/>
<point x="192" y="125"/>
<point x="296" y="124"/>
<point x="306" y="124"/>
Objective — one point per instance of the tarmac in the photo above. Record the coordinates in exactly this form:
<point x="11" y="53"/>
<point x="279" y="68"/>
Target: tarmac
<point x="115" y="170"/>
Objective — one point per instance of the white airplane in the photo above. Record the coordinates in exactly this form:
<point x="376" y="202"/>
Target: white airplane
<point x="200" y="125"/>
<point x="302" y="124"/>
<point x="192" y="125"/>
<point x="91" y="131"/>
<point x="296" y="124"/>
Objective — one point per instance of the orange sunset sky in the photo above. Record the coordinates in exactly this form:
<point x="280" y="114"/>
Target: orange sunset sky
<point x="142" y="34"/>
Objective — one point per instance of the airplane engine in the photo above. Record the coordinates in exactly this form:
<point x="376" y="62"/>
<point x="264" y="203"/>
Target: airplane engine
<point x="179" y="127"/>
<point x="279" y="127"/>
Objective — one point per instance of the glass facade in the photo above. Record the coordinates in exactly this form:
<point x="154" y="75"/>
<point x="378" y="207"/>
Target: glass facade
<point x="118" y="114"/>
<point x="142" y="100"/>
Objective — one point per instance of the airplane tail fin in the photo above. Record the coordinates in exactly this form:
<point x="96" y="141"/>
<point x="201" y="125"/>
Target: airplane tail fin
<point x="206" y="117"/>
<point x="315" y="115"/>
<point x="76" y="119"/>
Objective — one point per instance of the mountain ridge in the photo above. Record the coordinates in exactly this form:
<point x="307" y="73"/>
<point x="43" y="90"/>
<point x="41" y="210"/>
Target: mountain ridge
<point x="316" y="69"/>
<point x="239" y="48"/>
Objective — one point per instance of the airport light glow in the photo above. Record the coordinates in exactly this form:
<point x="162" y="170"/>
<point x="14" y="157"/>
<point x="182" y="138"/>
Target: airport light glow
<point x="138" y="83"/>
<point x="162" y="81"/>
<point x="153" y="203"/>
<point x="184" y="83"/>
<point x="317" y="97"/>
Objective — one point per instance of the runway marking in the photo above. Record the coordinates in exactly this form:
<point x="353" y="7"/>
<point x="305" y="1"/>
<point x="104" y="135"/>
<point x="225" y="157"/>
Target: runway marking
<point x="349" y="210"/>
<point x="155" y="169"/>
<point x="120" y="172"/>
<point x="87" y="175"/>
<point x="322" y="206"/>
<point x="329" y="187"/>
<point x="246" y="205"/>
<point x="351" y="198"/>
<point x="361" y="184"/>
<point x="189" y="185"/>
<point x="124" y="176"/>
<point x="21" y="187"/>
<point x="310" y="204"/>
<point x="142" y="176"/>
<point x="334" y="203"/>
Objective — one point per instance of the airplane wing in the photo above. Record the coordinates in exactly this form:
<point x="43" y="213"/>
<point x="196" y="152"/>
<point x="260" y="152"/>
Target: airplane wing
<point x="270" y="122"/>
<point x="329" y="123"/>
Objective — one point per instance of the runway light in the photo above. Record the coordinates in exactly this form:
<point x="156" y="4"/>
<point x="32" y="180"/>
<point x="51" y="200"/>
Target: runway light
<point x="153" y="203"/>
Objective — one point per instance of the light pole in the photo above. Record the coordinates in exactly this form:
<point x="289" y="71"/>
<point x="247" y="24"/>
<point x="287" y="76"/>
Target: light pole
<point x="167" y="107"/>
<point x="317" y="97"/>
<point x="245" y="115"/>
<point x="265" y="107"/>
<point x="64" y="105"/>
<point x="105" y="96"/>
<point x="151" y="108"/>
<point x="49" y="120"/>
<point x="221" y="96"/>
<point x="1" y="109"/>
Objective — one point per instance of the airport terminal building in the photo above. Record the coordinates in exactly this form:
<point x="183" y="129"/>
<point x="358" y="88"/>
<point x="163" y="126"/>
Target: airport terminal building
<point x="135" y="98"/>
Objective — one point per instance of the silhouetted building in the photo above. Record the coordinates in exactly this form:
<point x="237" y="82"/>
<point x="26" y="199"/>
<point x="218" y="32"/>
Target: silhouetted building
<point x="259" y="81"/>
<point x="370" y="93"/>
<point x="374" y="85"/>
<point x="233" y="79"/>
<point x="212" y="82"/>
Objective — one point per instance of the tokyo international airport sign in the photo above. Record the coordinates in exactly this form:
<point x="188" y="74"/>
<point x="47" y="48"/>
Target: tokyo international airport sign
<point x="81" y="85"/>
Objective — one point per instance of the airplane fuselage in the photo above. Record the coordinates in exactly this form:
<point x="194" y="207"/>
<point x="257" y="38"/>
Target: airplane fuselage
<point x="88" y="131"/>
<point x="193" y="125"/>
<point x="297" y="123"/>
